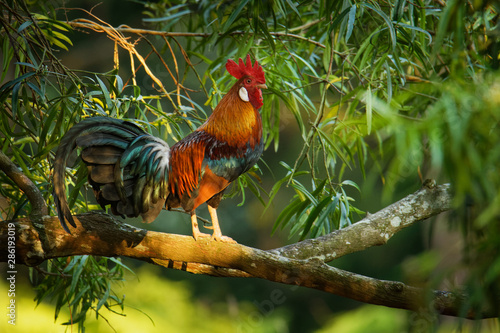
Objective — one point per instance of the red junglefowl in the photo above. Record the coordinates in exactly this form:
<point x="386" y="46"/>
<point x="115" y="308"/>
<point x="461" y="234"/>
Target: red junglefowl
<point x="137" y="174"/>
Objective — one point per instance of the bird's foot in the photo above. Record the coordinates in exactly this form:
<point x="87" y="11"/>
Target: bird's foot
<point x="218" y="238"/>
<point x="198" y="235"/>
<point x="224" y="239"/>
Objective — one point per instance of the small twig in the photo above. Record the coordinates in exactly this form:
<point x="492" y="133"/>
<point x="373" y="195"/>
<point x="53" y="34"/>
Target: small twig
<point x="293" y="58"/>
<point x="179" y="210"/>
<point x="319" y="117"/>
<point x="307" y="25"/>
<point x="116" y="35"/>
<point x="44" y="272"/>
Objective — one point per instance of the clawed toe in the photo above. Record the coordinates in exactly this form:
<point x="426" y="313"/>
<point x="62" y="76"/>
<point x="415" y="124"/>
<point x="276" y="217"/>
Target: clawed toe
<point x="223" y="239"/>
<point x="200" y="235"/>
<point x="217" y="235"/>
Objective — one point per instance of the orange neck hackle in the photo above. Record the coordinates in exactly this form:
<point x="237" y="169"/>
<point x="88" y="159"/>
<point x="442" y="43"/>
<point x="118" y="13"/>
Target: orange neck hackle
<point x="234" y="121"/>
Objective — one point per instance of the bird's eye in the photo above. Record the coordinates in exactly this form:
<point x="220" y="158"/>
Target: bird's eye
<point x="249" y="81"/>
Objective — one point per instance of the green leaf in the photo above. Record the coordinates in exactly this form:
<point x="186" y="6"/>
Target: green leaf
<point x="351" y="183"/>
<point x="267" y="35"/>
<point x="344" y="219"/>
<point x="52" y="113"/>
<point x="17" y="80"/>
<point x="414" y="28"/>
<point x="311" y="218"/>
<point x="294" y="8"/>
<point x="104" y="298"/>
<point x="338" y="19"/>
<point x="167" y="18"/>
<point x="350" y="23"/>
<point x="56" y="42"/>
<point x="287" y="213"/>
<point x="303" y="192"/>
<point x="26" y="64"/>
<point x="37" y="90"/>
<point x="15" y="99"/>
<point x="368" y="103"/>
<point x="78" y="297"/>
<point x="388" y="22"/>
<point x="234" y="14"/>
<point x="105" y="93"/>
<point x="119" y="84"/>
<point x="333" y="147"/>
<point x="119" y="263"/>
<point x="291" y="107"/>
<point x="62" y="37"/>
<point x="24" y="26"/>
<point x="76" y="274"/>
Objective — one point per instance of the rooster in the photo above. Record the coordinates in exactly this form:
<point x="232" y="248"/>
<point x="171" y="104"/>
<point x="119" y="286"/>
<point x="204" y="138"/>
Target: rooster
<point x="137" y="174"/>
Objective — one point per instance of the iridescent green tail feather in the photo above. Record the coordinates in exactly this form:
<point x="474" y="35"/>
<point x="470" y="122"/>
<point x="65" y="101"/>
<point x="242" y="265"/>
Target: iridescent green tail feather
<point x="127" y="168"/>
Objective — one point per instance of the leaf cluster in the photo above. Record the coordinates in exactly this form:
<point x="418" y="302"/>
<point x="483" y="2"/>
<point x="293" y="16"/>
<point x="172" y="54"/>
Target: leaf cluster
<point x="81" y="284"/>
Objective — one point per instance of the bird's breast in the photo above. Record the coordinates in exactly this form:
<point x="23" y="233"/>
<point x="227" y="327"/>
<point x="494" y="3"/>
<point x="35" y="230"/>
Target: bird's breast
<point x="230" y="161"/>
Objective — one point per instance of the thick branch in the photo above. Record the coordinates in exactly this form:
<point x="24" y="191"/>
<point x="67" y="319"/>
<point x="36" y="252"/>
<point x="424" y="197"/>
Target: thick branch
<point x="101" y="234"/>
<point x="375" y="229"/>
<point x="38" y="205"/>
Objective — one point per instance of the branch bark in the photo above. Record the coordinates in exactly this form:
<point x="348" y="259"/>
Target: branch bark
<point x="38" y="205"/>
<point x="300" y="264"/>
<point x="374" y="229"/>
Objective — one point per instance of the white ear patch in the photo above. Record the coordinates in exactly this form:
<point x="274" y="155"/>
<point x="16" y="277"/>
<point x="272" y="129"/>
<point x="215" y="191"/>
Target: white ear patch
<point x="243" y="94"/>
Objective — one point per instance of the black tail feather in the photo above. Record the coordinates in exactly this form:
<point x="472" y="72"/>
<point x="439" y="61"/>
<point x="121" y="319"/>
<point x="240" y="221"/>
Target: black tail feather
<point x="124" y="170"/>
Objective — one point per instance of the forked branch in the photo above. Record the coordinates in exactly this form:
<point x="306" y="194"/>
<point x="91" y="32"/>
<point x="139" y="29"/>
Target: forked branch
<point x="38" y="205"/>
<point x="103" y="235"/>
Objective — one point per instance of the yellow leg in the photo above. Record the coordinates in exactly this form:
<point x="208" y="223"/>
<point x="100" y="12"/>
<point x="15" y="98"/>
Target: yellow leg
<point x="217" y="234"/>
<point x="196" y="231"/>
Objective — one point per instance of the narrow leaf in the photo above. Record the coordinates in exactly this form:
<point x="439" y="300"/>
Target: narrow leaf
<point x="234" y="14"/>
<point x="350" y="23"/>
<point x="368" y="102"/>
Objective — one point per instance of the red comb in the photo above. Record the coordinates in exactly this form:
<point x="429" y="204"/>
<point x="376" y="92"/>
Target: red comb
<point x="239" y="70"/>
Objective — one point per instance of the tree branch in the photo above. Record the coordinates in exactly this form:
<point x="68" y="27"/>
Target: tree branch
<point x="38" y="205"/>
<point x="375" y="229"/>
<point x="88" y="24"/>
<point x="103" y="235"/>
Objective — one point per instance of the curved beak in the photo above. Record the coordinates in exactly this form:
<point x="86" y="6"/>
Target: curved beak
<point x="261" y="86"/>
